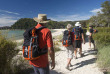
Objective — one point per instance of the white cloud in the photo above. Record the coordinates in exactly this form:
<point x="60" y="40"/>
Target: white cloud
<point x="70" y="17"/>
<point x="96" y="10"/>
<point x="9" y="12"/>
<point x="7" y="20"/>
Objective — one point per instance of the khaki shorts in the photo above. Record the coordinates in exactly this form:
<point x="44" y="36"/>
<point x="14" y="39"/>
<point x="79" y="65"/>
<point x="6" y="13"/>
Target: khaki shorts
<point x="70" y="51"/>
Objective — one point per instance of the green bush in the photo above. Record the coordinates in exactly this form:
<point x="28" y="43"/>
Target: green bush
<point x="20" y="66"/>
<point x="103" y="29"/>
<point x="102" y="39"/>
<point x="104" y="58"/>
<point x="7" y="52"/>
<point x="84" y="30"/>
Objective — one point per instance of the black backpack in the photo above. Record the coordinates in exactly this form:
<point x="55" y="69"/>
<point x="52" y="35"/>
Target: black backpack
<point x="77" y="33"/>
<point x="67" y="38"/>
<point x="31" y="50"/>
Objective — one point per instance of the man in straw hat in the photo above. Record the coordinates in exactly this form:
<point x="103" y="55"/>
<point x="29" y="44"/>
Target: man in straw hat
<point x="78" y="37"/>
<point x="41" y="65"/>
<point x="68" y="38"/>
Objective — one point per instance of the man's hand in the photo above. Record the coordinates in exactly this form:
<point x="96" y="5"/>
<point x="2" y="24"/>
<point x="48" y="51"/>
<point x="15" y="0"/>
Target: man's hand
<point x="84" y="42"/>
<point x="53" y="65"/>
<point x="52" y="56"/>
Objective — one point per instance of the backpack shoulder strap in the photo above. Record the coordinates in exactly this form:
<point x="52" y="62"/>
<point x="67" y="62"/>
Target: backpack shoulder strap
<point x="28" y="32"/>
<point x="40" y="28"/>
<point x="34" y="31"/>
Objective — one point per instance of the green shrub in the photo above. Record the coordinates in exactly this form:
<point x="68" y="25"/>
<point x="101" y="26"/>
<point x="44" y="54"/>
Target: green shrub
<point x="102" y="38"/>
<point x="56" y="49"/>
<point x="104" y="58"/>
<point x="103" y="29"/>
<point x="7" y="52"/>
<point x="59" y="37"/>
<point x="21" y="66"/>
<point x="84" y="30"/>
<point x="56" y="46"/>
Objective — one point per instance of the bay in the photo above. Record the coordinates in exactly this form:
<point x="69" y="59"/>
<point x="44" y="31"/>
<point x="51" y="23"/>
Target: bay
<point x="14" y="34"/>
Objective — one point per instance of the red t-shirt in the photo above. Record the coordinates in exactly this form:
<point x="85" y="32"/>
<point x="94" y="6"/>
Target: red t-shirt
<point x="45" y="38"/>
<point x="72" y="37"/>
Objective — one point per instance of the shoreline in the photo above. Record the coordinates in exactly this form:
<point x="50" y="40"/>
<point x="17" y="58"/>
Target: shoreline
<point x="56" y="33"/>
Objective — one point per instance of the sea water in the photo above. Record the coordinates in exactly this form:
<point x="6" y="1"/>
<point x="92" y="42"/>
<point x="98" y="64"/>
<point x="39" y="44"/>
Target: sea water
<point x="14" y="34"/>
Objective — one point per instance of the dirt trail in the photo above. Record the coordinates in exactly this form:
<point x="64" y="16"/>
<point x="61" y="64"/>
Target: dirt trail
<point x="84" y="65"/>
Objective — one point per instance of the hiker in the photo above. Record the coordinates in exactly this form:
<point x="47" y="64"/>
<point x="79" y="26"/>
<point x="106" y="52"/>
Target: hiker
<point x="78" y="37"/>
<point x="91" y="31"/>
<point x="68" y="43"/>
<point x="41" y="65"/>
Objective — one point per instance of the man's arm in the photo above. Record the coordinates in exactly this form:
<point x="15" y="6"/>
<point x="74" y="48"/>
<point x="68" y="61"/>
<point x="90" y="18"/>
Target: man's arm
<point x="51" y="49"/>
<point x="52" y="56"/>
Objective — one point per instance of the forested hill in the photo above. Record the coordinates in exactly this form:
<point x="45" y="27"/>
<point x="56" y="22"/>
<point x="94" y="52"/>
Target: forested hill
<point x="25" y="23"/>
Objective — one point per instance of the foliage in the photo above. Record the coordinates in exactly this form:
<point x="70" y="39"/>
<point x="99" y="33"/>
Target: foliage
<point x="25" y="23"/>
<point x="103" y="58"/>
<point x="102" y="18"/>
<point x="56" y="48"/>
<point x="21" y="66"/>
<point x="7" y="52"/>
<point x="84" y="31"/>
<point x="102" y="39"/>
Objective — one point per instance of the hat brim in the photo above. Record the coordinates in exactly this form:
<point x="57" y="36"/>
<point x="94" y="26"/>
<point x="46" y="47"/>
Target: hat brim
<point x="77" y="24"/>
<point x="39" y="21"/>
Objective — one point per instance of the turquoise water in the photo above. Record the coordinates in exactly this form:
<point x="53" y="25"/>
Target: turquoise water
<point x="14" y="34"/>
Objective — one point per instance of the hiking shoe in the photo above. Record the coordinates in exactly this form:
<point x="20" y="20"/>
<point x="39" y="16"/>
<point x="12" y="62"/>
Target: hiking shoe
<point x="67" y="67"/>
<point x="75" y="57"/>
<point x="81" y="55"/>
<point x="71" y="65"/>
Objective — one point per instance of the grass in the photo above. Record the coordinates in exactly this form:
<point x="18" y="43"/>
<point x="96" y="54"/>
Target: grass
<point x="102" y="39"/>
<point x="58" y="38"/>
<point x="103" y="58"/>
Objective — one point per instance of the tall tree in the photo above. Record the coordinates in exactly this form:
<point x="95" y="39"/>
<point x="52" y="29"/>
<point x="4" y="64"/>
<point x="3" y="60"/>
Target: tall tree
<point x="106" y="11"/>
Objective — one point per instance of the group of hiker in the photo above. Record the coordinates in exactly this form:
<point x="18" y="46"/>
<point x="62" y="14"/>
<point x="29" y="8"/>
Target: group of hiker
<point x="38" y="43"/>
<point x="73" y="39"/>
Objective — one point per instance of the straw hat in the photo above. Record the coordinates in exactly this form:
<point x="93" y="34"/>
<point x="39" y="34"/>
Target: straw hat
<point x="77" y="24"/>
<point x="69" y="26"/>
<point x="42" y="18"/>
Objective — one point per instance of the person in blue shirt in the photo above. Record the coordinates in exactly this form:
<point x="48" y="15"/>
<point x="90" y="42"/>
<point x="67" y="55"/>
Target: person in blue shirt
<point x="78" y="37"/>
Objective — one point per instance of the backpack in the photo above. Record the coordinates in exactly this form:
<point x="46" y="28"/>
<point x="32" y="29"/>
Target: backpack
<point x="67" y="38"/>
<point x="95" y="31"/>
<point x="77" y="33"/>
<point x="31" y="50"/>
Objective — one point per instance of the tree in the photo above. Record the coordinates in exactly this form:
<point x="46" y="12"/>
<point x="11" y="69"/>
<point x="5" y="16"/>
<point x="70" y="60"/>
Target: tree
<point x="102" y="18"/>
<point x="106" y="11"/>
<point x="25" y="23"/>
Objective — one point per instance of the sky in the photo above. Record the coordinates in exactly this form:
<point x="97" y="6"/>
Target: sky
<point x="57" y="10"/>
